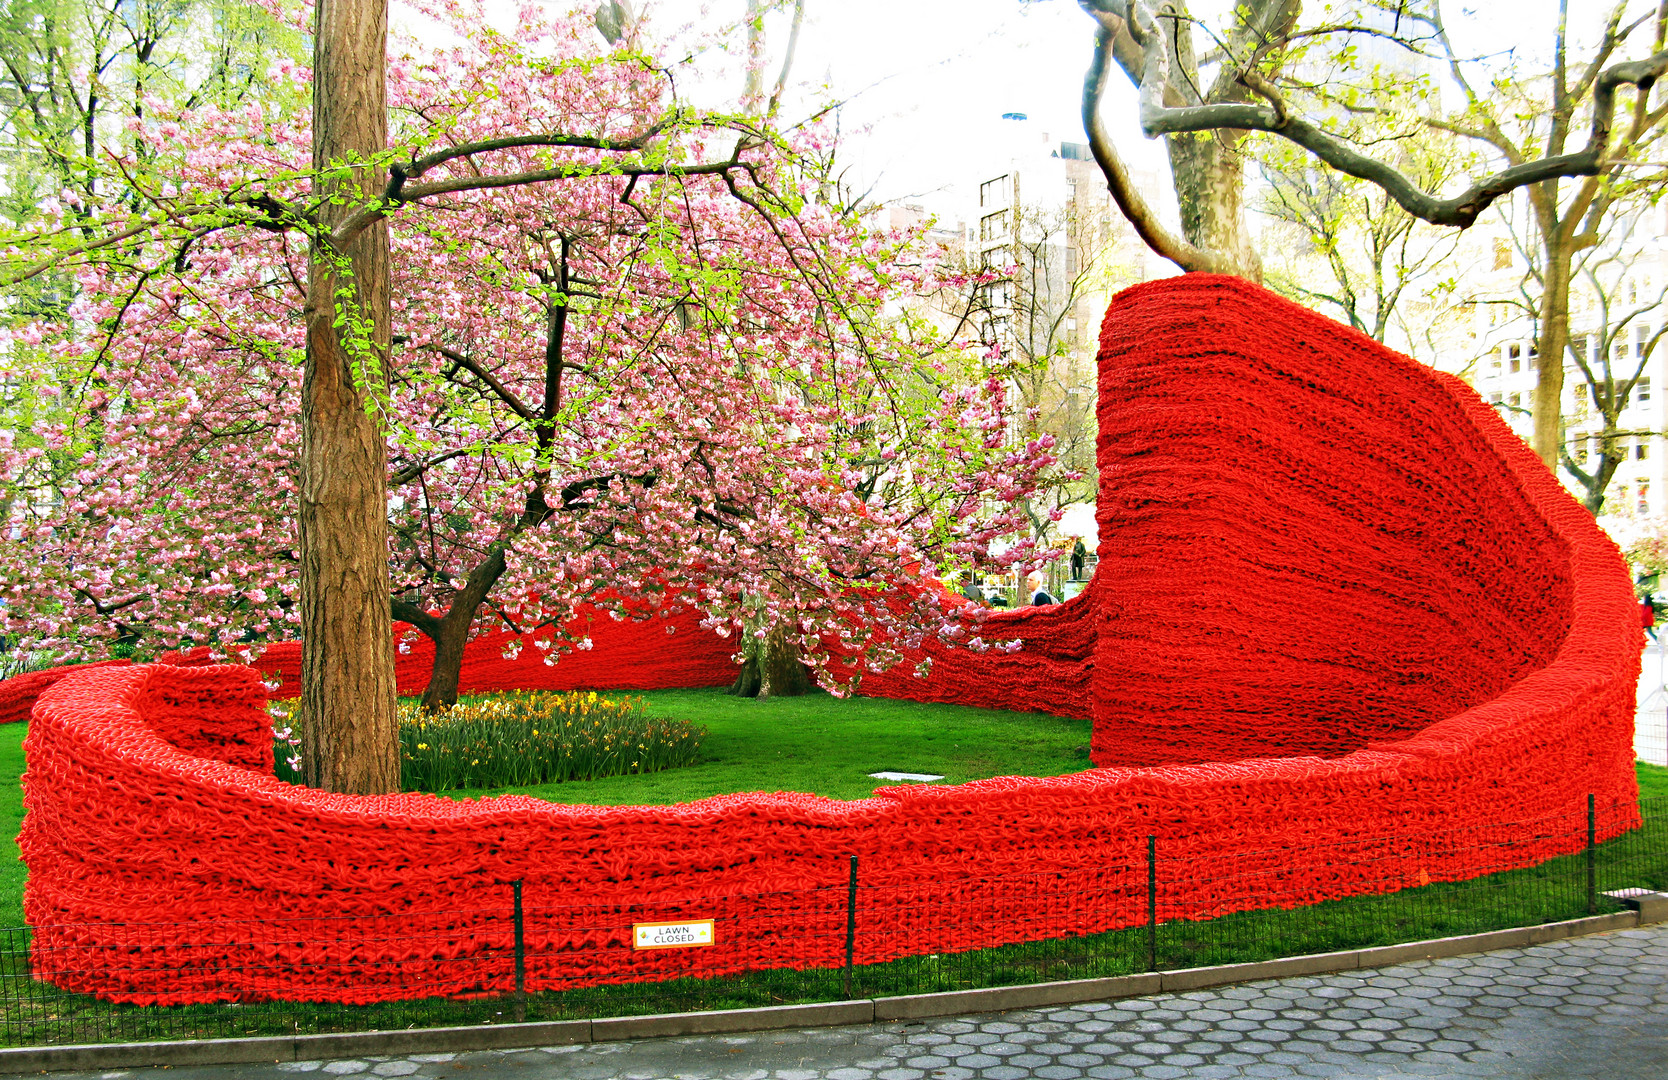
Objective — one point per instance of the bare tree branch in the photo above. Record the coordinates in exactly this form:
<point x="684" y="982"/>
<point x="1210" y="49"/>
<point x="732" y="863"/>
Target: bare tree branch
<point x="1152" y="231"/>
<point x="1159" y="117"/>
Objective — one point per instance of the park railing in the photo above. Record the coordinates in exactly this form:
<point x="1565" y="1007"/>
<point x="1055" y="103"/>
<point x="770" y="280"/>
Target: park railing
<point x="504" y="964"/>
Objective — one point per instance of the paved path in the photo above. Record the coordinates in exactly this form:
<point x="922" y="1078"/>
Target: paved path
<point x="1588" y="1007"/>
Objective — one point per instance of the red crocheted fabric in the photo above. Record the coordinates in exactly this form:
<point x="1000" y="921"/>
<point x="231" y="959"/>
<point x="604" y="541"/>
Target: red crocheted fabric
<point x="651" y="654"/>
<point x="1347" y="635"/>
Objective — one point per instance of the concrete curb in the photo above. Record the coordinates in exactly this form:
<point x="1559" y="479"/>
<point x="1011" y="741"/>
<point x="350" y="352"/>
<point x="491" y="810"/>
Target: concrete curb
<point x="25" y="1059"/>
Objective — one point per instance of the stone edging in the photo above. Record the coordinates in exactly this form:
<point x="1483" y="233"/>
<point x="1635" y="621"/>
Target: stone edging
<point x="827" y="1014"/>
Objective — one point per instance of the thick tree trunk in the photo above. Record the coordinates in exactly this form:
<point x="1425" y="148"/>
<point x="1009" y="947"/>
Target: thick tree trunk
<point x="1549" y="361"/>
<point x="1209" y="175"/>
<point x="772" y="669"/>
<point x="349" y="737"/>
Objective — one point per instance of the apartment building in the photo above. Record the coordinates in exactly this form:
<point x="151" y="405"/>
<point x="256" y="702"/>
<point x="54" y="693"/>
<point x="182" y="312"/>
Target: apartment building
<point x="1617" y="313"/>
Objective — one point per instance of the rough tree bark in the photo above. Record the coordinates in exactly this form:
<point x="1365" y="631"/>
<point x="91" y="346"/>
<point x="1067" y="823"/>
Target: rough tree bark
<point x="349" y="738"/>
<point x="1552" y="341"/>
<point x="772" y="667"/>
<point x="1209" y="177"/>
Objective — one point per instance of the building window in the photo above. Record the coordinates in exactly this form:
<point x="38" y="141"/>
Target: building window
<point x="993" y="226"/>
<point x="1496" y="398"/>
<point x="1642" y="390"/>
<point x="1515" y="400"/>
<point x="1641" y="450"/>
<point x="1502" y="253"/>
<point x="1071" y="260"/>
<point x="1514" y="350"/>
<point x="1641" y="335"/>
<point x="994" y="192"/>
<point x="1517" y="365"/>
<point x="1581" y="455"/>
<point x="1644" y="504"/>
<point x="1494" y="365"/>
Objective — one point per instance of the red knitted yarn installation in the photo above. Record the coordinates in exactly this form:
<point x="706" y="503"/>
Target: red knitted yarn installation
<point x="652" y="654"/>
<point x="1308" y="545"/>
<point x="1348" y="635"/>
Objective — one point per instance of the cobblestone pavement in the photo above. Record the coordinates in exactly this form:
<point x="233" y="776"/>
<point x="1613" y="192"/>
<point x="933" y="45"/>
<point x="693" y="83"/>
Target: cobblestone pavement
<point x="1587" y="1007"/>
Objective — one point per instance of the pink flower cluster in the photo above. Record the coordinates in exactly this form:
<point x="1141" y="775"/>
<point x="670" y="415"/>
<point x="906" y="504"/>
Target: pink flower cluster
<point x="650" y="388"/>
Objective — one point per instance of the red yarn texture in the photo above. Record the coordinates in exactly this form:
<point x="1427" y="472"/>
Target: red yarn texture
<point x="1317" y="557"/>
<point x="651" y="654"/>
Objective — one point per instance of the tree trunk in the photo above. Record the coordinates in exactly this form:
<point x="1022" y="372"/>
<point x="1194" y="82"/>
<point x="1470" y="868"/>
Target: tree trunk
<point x="450" y="632"/>
<point x="1209" y="175"/>
<point x="772" y="668"/>
<point x="349" y="736"/>
<point x="442" y="691"/>
<point x="1550" y="344"/>
<point x="1609" y="460"/>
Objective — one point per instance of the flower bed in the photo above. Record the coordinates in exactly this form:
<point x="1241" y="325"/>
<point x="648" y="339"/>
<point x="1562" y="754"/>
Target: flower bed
<point x="1337" y="602"/>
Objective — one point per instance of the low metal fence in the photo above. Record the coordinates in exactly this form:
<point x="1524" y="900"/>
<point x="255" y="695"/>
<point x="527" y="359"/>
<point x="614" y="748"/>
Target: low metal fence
<point x="499" y="965"/>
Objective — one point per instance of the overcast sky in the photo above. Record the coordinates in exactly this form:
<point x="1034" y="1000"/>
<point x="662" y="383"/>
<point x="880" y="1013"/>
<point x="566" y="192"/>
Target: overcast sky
<point x="926" y="81"/>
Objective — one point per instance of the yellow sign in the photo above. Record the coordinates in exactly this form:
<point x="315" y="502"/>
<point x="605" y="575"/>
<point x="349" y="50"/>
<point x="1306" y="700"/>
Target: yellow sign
<point x="678" y="935"/>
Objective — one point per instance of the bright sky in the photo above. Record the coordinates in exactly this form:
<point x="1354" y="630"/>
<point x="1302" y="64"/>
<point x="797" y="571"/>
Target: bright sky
<point x="927" y="81"/>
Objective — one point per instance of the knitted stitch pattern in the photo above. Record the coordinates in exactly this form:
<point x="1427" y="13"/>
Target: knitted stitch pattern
<point x="650" y="654"/>
<point x="1486" y="625"/>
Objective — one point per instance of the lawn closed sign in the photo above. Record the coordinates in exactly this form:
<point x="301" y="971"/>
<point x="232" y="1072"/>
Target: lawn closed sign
<point x="677" y="935"/>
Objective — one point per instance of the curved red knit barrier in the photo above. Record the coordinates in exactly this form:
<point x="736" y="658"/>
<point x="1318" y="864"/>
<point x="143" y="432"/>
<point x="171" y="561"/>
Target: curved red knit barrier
<point x="1317" y="557"/>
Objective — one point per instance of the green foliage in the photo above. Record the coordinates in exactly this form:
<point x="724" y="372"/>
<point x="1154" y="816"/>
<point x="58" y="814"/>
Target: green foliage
<point x="1648" y="555"/>
<point x="537" y="738"/>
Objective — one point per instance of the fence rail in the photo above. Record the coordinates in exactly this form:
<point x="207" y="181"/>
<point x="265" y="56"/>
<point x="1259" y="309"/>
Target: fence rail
<point x="552" y="962"/>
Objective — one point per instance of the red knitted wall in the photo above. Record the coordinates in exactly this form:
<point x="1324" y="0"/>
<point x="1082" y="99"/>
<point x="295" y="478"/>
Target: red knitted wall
<point x="624" y="655"/>
<point x="1316" y="556"/>
<point x="1311" y="547"/>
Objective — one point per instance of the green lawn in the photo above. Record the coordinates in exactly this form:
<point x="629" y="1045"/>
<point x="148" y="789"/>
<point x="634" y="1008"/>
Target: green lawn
<point x="828" y="746"/>
<point x="12" y="871"/>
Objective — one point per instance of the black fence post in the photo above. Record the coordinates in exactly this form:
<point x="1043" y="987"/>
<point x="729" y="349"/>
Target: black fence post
<point x="520" y="956"/>
<point x="1592" y="858"/>
<point x="1152" y="903"/>
<point x="851" y="924"/>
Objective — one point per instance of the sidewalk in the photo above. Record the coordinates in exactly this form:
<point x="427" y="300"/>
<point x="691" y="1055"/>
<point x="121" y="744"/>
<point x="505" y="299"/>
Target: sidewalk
<point x="1582" y="1007"/>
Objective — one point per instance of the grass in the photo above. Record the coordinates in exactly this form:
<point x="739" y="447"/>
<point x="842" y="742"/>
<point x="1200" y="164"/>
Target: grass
<point x="12" y="871"/>
<point x="828" y="746"/>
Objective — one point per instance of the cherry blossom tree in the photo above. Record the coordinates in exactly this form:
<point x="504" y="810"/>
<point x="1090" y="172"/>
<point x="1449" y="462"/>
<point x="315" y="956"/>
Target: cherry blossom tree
<point x="638" y="385"/>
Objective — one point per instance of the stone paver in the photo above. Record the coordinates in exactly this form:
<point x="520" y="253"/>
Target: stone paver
<point x="1589" y="1007"/>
